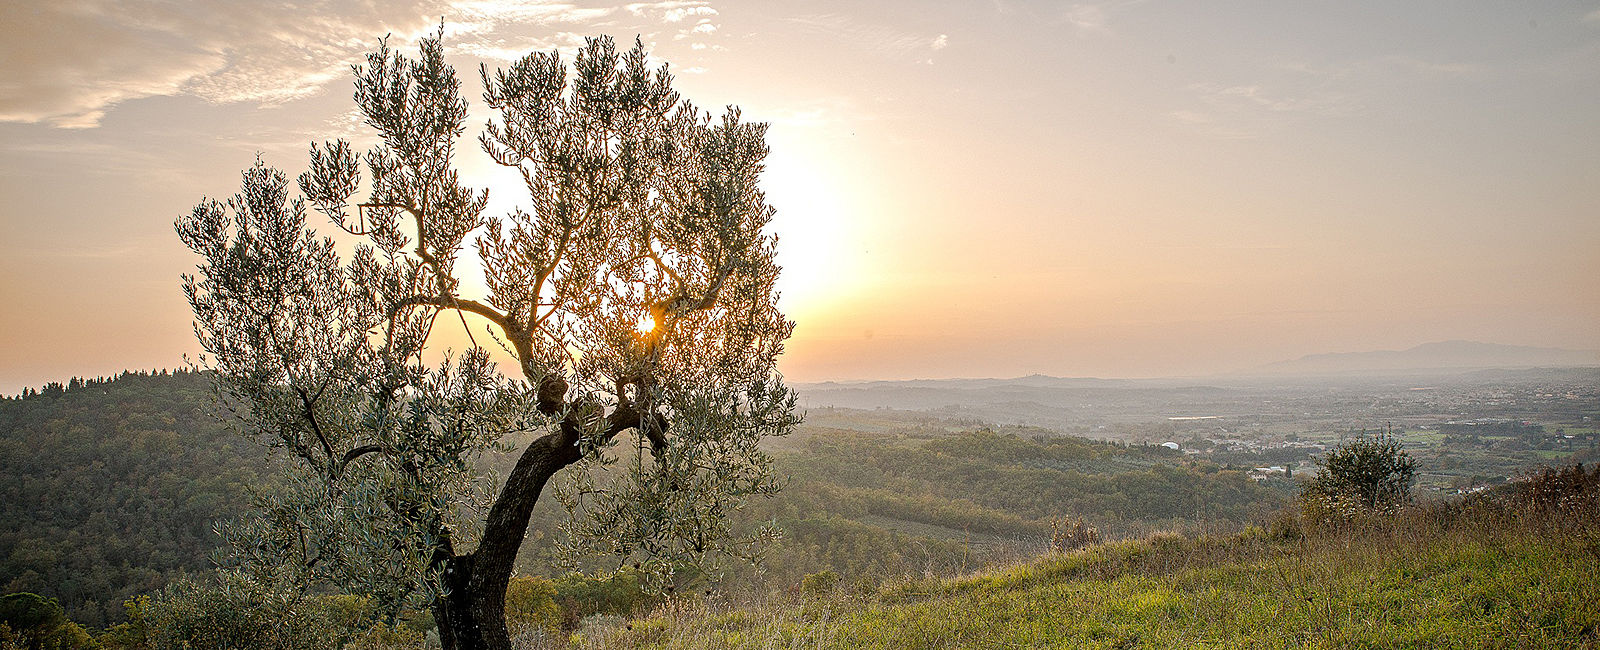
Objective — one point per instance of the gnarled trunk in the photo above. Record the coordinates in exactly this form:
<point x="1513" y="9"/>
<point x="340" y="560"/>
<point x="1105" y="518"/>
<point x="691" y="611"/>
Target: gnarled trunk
<point x="453" y="612"/>
<point x="472" y="613"/>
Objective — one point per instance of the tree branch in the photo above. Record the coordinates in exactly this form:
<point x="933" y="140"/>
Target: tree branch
<point x="311" y="417"/>
<point x="521" y="338"/>
<point x="358" y="452"/>
<point x="650" y="251"/>
<point x="416" y="213"/>
<point x="534" y="319"/>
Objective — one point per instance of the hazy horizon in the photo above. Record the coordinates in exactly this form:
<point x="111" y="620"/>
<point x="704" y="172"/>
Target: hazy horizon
<point x="996" y="189"/>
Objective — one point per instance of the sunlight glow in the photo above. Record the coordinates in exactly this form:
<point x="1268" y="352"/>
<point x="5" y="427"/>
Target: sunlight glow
<point x="814" y="239"/>
<point x="646" y="324"/>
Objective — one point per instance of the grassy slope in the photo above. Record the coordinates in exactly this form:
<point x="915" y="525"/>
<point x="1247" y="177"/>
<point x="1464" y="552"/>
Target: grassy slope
<point x="1414" y="582"/>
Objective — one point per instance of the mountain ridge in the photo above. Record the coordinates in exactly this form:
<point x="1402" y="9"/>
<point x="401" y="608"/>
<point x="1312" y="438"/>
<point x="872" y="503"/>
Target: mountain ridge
<point x="1452" y="354"/>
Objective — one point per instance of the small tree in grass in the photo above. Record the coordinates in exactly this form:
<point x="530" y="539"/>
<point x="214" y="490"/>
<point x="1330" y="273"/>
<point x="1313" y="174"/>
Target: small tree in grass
<point x="1370" y="473"/>
<point x="1071" y="533"/>
<point x="634" y="298"/>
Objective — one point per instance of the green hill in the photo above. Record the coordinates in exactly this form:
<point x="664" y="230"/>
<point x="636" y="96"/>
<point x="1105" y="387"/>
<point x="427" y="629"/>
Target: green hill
<point x="109" y="488"/>
<point x="916" y="499"/>
<point x="1503" y="572"/>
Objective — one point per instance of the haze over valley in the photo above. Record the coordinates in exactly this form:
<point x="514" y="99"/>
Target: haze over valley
<point x="676" y="324"/>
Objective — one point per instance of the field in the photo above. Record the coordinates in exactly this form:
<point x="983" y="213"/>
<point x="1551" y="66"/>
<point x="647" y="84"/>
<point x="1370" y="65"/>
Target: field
<point x="1445" y="577"/>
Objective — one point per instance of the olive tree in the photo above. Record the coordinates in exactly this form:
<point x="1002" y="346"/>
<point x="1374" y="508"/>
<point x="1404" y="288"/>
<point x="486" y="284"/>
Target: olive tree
<point x="632" y="294"/>
<point x="1369" y="473"/>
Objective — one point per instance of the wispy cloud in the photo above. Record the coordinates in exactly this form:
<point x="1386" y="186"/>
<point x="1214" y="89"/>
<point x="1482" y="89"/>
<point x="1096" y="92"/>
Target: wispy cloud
<point x="1388" y="65"/>
<point x="69" y="62"/>
<point x="1592" y="17"/>
<point x="475" y="17"/>
<point x="99" y="252"/>
<point x="495" y="47"/>
<point x="885" y="40"/>
<point x="1237" y="111"/>
<point x="1288" y="90"/>
<point x="1093" y="18"/>
<point x="1208" y="124"/>
<point x="704" y="27"/>
<point x="1087" y="18"/>
<point x="672" y="11"/>
<point x="1257" y="97"/>
<point x="1433" y="68"/>
<point x="1002" y="6"/>
<point x="690" y="19"/>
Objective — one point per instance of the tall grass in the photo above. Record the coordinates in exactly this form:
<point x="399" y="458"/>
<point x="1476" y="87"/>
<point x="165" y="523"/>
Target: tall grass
<point x="1517" y="569"/>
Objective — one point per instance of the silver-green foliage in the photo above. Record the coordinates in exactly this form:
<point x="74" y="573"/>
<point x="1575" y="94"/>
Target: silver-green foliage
<point x="1364" y="474"/>
<point x="642" y="207"/>
<point x="233" y="610"/>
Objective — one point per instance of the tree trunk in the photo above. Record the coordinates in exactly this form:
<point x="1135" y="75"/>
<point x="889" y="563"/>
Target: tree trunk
<point x="472" y="614"/>
<point x="453" y="612"/>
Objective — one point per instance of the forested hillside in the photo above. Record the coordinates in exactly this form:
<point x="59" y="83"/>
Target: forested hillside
<point x="110" y="488"/>
<point x="962" y="499"/>
<point x="874" y="494"/>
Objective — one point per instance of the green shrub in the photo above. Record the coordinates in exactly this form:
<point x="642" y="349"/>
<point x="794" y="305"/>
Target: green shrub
<point x="234" y="611"/>
<point x="1570" y="492"/>
<point x="819" y="583"/>
<point x="387" y="637"/>
<point x="34" y="622"/>
<point x="1071" y="533"/>
<point x="580" y="597"/>
<point x="1365" y="475"/>
<point x="531" y="605"/>
<point x="133" y="634"/>
<point x="1285" y="526"/>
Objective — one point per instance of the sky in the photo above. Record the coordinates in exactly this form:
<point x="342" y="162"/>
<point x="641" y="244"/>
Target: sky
<point x="964" y="189"/>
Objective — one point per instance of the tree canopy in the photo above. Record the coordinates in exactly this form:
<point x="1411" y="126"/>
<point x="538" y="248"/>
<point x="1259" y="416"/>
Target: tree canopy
<point x="634" y="294"/>
<point x="1372" y="473"/>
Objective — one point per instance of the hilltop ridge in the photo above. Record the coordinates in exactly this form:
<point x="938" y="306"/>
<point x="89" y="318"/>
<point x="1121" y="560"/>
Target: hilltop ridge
<point x="1486" y="572"/>
<point x="1441" y="355"/>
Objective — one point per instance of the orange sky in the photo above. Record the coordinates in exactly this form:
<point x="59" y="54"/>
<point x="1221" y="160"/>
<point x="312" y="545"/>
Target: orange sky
<point x="964" y="189"/>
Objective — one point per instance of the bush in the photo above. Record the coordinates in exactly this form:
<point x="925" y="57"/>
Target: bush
<point x="1285" y="526"/>
<point x="819" y="583"/>
<point x="1568" y="492"/>
<point x="1368" y="474"/>
<point x="531" y="605"/>
<point x="1071" y="533"/>
<point x="386" y="637"/>
<point x="580" y="597"/>
<point x="33" y="621"/>
<point x="235" y="611"/>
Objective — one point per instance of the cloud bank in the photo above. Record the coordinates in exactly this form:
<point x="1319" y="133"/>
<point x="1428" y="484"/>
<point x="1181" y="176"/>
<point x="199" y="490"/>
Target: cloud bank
<point x="69" y="61"/>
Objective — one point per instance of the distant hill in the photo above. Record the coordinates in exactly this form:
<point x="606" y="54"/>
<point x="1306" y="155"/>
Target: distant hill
<point x="1435" y="356"/>
<point x="1324" y="390"/>
<point x="1030" y="381"/>
<point x="1035" y="400"/>
<point x="109" y="488"/>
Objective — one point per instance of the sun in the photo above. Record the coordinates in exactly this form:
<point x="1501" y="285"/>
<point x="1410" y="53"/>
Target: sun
<point x="815" y="240"/>
<point x="646" y="324"/>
